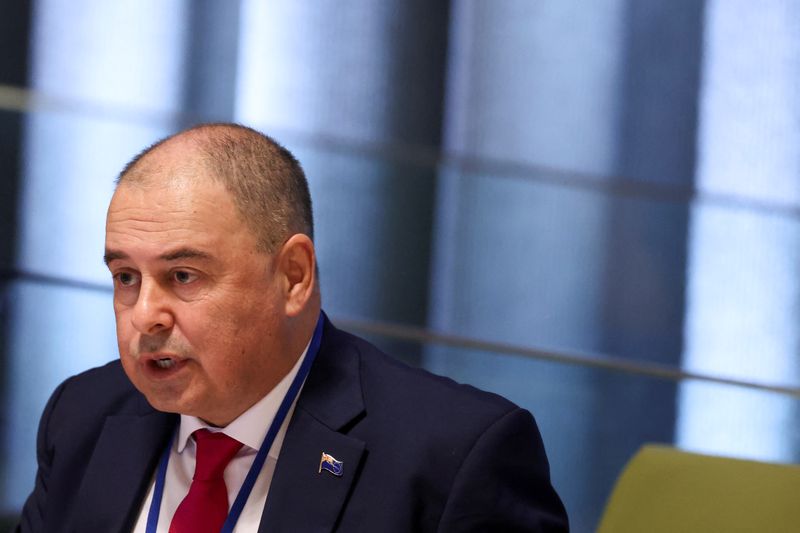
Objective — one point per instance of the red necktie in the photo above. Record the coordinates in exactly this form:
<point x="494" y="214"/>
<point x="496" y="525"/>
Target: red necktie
<point x="205" y="507"/>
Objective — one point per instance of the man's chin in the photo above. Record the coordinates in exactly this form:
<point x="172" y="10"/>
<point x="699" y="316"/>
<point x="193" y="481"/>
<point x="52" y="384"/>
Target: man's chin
<point x="178" y="400"/>
<point x="165" y="405"/>
<point x="179" y="406"/>
<point x="166" y="399"/>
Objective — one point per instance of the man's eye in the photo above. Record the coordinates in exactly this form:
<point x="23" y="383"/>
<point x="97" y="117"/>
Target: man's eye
<point x="126" y="279"/>
<point x="183" y="277"/>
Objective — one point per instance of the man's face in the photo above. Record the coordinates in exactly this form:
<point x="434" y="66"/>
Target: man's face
<point x="197" y="306"/>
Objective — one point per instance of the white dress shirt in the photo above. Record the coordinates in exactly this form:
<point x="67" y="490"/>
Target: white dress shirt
<point x="250" y="428"/>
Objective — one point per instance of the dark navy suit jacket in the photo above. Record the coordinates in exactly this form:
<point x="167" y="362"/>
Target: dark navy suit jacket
<point x="420" y="453"/>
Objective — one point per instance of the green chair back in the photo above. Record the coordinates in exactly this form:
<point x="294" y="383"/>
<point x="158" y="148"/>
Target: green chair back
<point x="665" y="490"/>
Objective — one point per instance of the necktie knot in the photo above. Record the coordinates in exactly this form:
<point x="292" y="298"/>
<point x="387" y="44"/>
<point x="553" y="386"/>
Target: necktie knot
<point x="214" y="452"/>
<point x="205" y="507"/>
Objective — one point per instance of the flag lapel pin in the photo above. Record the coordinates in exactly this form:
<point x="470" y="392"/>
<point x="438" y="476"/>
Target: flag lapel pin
<point x="329" y="463"/>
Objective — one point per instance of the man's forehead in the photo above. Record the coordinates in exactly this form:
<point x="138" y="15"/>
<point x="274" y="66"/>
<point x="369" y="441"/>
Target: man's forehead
<point x="184" y="219"/>
<point x="166" y="188"/>
<point x="182" y="174"/>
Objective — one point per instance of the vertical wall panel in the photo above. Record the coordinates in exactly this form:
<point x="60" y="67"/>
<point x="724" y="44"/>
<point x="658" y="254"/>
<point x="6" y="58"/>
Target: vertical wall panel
<point x="743" y="292"/>
<point x="534" y="244"/>
<point x="516" y="260"/>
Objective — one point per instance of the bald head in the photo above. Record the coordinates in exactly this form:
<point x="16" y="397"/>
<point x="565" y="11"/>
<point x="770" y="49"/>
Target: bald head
<point x="266" y="182"/>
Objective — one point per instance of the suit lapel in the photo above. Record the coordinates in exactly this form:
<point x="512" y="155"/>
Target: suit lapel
<point x="120" y="470"/>
<point x="301" y="498"/>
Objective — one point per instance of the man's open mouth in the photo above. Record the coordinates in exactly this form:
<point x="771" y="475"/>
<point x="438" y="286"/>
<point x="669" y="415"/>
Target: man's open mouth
<point x="162" y="365"/>
<point x="165" y="362"/>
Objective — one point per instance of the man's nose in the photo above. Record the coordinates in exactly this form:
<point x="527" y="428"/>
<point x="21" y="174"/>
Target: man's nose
<point x="152" y="313"/>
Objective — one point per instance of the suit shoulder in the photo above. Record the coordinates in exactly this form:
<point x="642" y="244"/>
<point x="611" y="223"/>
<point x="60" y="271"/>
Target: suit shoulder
<point x="107" y="381"/>
<point x="93" y="394"/>
<point x="462" y="458"/>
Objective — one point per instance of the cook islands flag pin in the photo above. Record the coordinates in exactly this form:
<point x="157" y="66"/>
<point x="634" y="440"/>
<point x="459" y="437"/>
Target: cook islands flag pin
<point x="329" y="463"/>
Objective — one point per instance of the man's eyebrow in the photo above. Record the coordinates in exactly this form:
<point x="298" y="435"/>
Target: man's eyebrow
<point x="113" y="255"/>
<point x="180" y="253"/>
<point x="185" y="253"/>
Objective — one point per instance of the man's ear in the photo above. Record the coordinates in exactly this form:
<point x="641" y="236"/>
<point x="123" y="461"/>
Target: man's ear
<point x="297" y="268"/>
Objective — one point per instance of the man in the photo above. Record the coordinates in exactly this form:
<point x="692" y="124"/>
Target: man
<point x="236" y="405"/>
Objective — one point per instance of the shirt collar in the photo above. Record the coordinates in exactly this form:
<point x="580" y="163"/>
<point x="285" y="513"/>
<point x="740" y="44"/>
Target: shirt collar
<point x="250" y="428"/>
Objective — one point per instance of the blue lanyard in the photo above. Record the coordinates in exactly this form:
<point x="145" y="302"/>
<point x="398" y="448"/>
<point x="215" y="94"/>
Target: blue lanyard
<point x="261" y="456"/>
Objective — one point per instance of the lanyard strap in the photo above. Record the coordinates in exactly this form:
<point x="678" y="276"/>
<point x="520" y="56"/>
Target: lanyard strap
<point x="261" y="456"/>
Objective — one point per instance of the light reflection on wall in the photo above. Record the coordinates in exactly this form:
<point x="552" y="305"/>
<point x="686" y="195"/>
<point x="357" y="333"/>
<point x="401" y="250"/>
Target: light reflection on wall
<point x="127" y="54"/>
<point x="297" y="72"/>
<point x="743" y="291"/>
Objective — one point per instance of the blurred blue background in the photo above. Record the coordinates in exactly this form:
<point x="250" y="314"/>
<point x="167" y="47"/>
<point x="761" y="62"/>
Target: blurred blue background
<point x="591" y="208"/>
